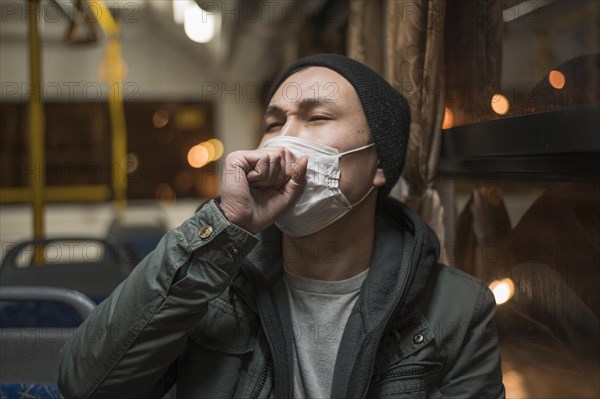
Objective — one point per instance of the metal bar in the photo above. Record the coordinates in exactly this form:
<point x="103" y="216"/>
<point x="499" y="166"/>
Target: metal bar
<point x="115" y="103"/>
<point x="119" y="154"/>
<point x="75" y="299"/>
<point x="87" y="193"/>
<point x="36" y="124"/>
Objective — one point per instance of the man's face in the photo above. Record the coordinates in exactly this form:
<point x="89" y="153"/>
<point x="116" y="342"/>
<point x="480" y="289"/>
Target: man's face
<point x="320" y="105"/>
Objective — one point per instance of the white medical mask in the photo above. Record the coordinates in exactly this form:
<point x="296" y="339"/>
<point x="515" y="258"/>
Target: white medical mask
<point x="322" y="202"/>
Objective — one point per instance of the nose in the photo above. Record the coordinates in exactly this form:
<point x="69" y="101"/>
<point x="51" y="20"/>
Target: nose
<point x="292" y="127"/>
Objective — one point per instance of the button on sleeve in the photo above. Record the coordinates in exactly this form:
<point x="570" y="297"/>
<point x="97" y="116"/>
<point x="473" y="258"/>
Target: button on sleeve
<point x="205" y="232"/>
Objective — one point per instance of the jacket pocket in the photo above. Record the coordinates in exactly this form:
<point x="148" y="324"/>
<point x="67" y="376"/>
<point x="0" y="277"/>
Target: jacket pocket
<point x="220" y="351"/>
<point x="403" y="381"/>
<point x="226" y="328"/>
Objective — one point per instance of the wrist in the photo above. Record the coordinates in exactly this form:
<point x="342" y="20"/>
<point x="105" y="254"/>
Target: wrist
<point x="234" y="216"/>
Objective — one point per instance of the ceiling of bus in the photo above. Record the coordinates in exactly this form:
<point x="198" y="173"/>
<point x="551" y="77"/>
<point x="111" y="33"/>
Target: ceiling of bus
<point x="251" y="32"/>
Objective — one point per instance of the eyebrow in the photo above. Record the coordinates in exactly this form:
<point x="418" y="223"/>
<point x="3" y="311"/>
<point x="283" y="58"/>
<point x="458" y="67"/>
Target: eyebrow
<point x="305" y="103"/>
<point x="317" y="102"/>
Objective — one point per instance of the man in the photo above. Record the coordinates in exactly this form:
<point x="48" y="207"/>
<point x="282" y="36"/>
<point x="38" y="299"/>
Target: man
<point x="305" y="280"/>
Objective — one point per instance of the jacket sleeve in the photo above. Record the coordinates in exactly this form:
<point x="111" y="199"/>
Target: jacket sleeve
<point x="125" y="347"/>
<point x="476" y="372"/>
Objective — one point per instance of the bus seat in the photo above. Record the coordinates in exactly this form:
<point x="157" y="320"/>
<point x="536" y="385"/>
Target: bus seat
<point x="29" y="356"/>
<point x="91" y="266"/>
<point x="38" y="307"/>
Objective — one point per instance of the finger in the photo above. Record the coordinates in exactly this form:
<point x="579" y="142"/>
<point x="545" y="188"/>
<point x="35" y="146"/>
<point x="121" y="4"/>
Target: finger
<point x="280" y="172"/>
<point x="295" y="185"/>
<point x="272" y="175"/>
<point x="298" y="172"/>
<point x="258" y="164"/>
<point x="245" y="160"/>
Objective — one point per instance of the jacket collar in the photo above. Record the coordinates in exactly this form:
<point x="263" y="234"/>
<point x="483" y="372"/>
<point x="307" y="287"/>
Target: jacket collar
<point x="405" y="251"/>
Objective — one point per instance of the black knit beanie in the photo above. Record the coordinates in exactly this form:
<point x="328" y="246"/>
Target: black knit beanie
<point x="387" y="111"/>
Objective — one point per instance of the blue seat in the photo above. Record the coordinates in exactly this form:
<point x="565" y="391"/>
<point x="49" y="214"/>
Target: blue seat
<point x="37" y="314"/>
<point x="30" y="391"/>
<point x="29" y="356"/>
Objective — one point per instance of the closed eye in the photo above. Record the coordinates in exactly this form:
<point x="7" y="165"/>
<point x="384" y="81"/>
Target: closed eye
<point x="272" y="126"/>
<point x="319" y="118"/>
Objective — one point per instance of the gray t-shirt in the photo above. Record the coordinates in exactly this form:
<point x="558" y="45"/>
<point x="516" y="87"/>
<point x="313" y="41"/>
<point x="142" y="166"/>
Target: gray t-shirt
<point x="319" y="310"/>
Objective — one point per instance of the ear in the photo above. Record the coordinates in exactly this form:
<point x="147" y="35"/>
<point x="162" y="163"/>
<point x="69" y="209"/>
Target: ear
<point x="379" y="178"/>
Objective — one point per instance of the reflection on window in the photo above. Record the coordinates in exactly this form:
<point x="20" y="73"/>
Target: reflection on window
<point x="538" y="246"/>
<point x="512" y="57"/>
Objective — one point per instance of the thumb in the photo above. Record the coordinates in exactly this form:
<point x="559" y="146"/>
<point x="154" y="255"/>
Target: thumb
<point x="299" y="170"/>
<point x="294" y="186"/>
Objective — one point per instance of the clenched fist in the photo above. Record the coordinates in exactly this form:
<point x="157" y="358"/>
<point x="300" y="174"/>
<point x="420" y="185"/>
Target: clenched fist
<point x="261" y="185"/>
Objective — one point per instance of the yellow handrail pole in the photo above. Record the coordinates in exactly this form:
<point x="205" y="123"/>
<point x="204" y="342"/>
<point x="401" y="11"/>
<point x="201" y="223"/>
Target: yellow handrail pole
<point x="114" y="76"/>
<point x="36" y="139"/>
<point x="119" y="148"/>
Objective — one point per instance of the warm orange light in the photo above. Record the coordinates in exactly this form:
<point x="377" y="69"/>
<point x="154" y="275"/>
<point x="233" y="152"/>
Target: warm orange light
<point x="515" y="384"/>
<point x="197" y="156"/>
<point x="211" y="150"/>
<point x="500" y="104"/>
<point x="556" y="79"/>
<point x="448" y="118"/>
<point x="160" y="118"/>
<point x="218" y="146"/>
<point x="503" y="290"/>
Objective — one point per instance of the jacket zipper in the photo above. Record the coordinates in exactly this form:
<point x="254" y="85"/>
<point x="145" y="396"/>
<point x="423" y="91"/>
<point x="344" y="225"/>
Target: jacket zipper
<point x="262" y="380"/>
<point x="403" y="373"/>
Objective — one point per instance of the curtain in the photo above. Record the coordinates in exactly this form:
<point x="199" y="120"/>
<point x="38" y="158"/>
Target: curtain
<point x="408" y="49"/>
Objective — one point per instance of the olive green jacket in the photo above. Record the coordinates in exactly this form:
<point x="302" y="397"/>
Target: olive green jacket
<point x="208" y="310"/>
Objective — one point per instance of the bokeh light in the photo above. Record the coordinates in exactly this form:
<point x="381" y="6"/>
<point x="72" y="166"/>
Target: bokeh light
<point x="133" y="162"/>
<point x="503" y="290"/>
<point x="207" y="151"/>
<point x="198" y="25"/>
<point x="556" y="79"/>
<point x="500" y="104"/>
<point x="211" y="150"/>
<point x="197" y="156"/>
<point x="160" y="118"/>
<point x="218" y="146"/>
<point x="448" y="118"/>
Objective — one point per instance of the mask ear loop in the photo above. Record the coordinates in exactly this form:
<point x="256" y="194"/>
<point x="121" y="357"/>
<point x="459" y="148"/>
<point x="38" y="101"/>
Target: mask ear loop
<point x="363" y="198"/>
<point x="356" y="149"/>
<point x="372" y="187"/>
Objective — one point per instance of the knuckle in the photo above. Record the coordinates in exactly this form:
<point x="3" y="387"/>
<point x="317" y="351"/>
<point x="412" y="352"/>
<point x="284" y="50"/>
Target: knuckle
<point x="277" y="158"/>
<point x="233" y="156"/>
<point x="279" y="152"/>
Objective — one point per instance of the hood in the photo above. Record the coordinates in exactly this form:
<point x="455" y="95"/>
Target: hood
<point x="406" y="250"/>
